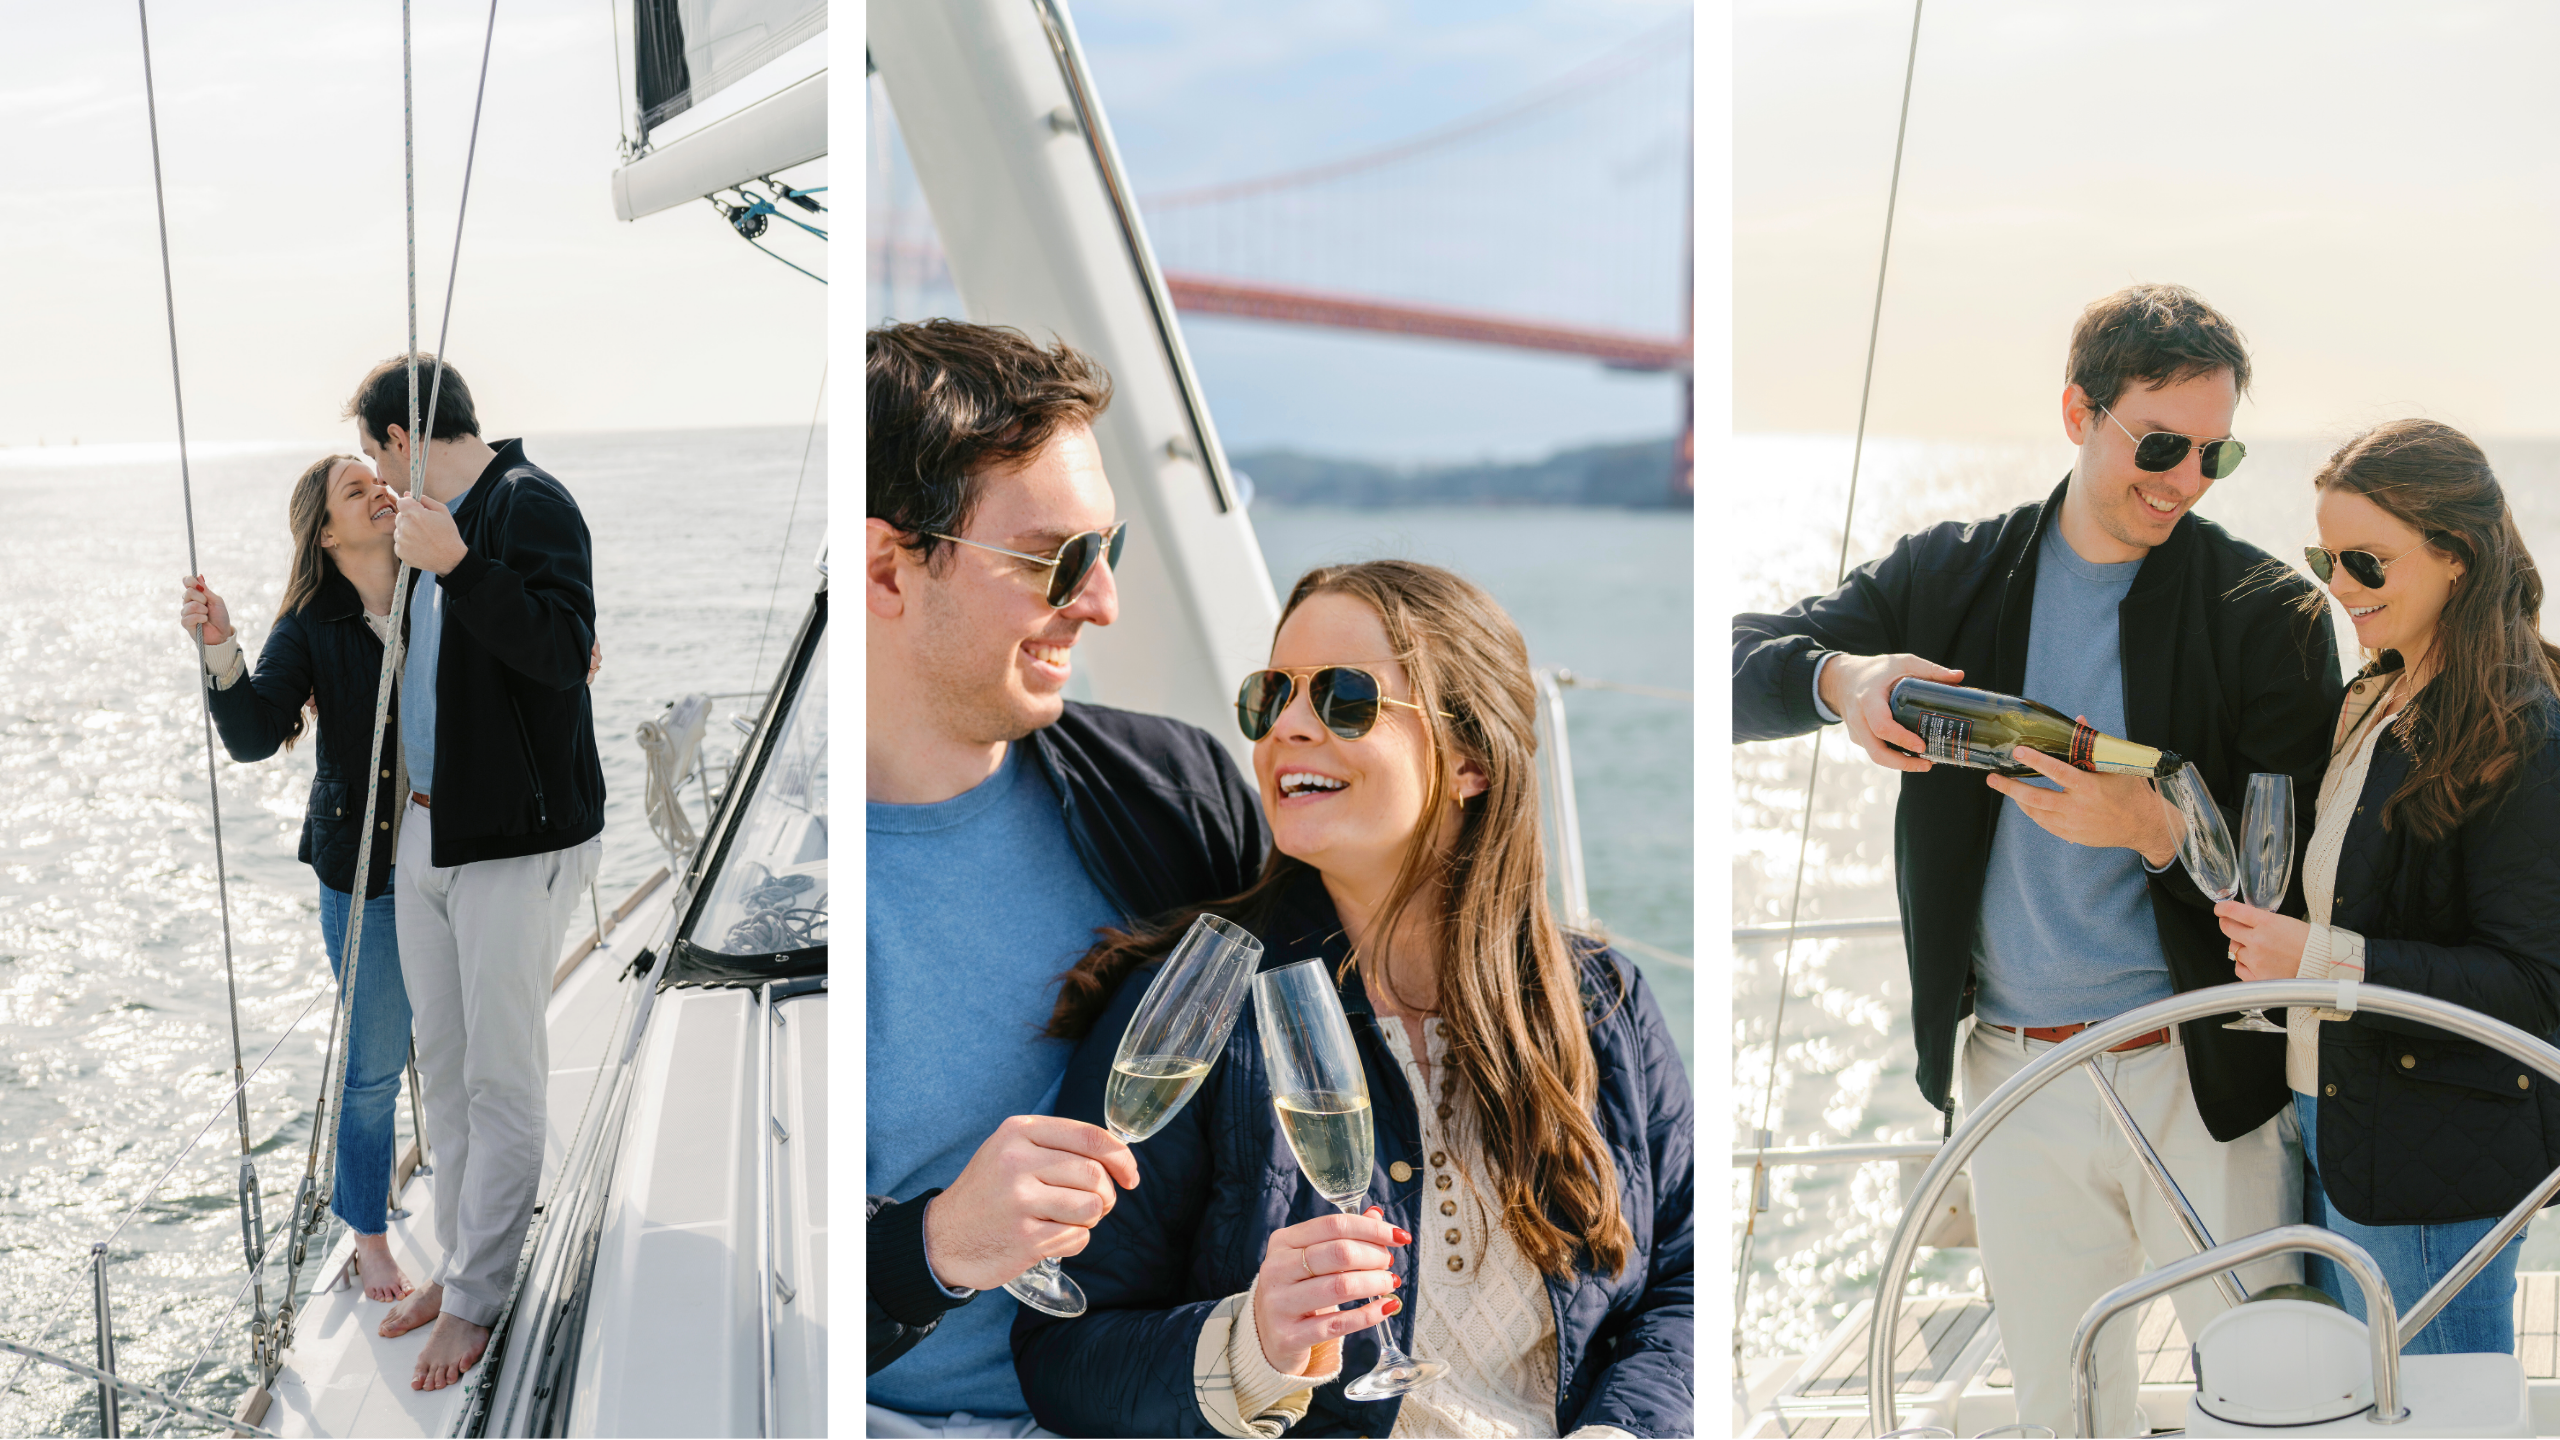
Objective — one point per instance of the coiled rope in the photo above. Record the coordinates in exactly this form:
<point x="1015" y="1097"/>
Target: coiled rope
<point x="1813" y="776"/>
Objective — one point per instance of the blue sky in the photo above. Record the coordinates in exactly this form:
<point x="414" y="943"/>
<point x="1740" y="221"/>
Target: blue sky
<point x="1203" y="91"/>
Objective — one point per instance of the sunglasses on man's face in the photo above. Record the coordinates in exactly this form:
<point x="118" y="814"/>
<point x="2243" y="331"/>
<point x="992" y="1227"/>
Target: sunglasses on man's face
<point x="1071" y="567"/>
<point x="2161" y="450"/>
<point x="1345" y="700"/>
<point x="2367" y="567"/>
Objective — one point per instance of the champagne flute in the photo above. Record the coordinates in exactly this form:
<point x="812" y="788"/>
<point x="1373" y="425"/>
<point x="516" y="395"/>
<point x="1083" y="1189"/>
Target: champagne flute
<point x="1322" y="1096"/>
<point x="2204" y="842"/>
<point x="2266" y="863"/>
<point x="1181" y="1024"/>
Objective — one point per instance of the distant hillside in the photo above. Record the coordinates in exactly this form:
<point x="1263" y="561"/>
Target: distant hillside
<point x="1632" y="476"/>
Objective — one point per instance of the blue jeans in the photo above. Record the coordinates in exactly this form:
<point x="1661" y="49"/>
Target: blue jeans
<point x="377" y="1051"/>
<point x="2479" y="1320"/>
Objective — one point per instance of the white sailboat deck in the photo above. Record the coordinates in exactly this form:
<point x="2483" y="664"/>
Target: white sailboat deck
<point x="342" y="1377"/>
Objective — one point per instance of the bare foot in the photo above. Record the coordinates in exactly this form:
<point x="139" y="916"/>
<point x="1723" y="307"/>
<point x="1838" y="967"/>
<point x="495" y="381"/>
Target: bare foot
<point x="382" y="1276"/>
<point x="456" y="1346"/>
<point x="421" y="1307"/>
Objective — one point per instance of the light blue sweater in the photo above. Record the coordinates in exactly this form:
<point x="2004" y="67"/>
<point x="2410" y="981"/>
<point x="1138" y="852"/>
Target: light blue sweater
<point x="2067" y="934"/>
<point x="975" y="906"/>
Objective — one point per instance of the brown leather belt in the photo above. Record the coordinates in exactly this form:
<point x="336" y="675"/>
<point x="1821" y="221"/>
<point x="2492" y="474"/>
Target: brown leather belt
<point x="2059" y="1033"/>
<point x="419" y="799"/>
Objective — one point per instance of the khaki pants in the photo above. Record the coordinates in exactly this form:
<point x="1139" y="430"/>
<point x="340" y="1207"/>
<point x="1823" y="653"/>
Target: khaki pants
<point x="478" y="943"/>
<point x="2066" y="1212"/>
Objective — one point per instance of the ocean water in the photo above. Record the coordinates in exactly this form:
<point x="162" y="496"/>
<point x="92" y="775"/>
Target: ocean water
<point x="112" y="1013"/>
<point x="1844" y="1063"/>
<point x="1605" y="594"/>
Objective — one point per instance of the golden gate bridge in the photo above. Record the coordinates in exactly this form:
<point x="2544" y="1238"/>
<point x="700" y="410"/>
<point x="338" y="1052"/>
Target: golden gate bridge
<point x="1557" y="222"/>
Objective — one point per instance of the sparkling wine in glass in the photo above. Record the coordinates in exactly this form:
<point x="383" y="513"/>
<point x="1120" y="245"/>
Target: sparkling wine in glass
<point x="1322" y="1096"/>
<point x="2266" y="863"/>
<point x="1180" y="1026"/>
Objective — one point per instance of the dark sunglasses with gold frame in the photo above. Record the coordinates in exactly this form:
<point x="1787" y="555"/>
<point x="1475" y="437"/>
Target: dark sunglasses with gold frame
<point x="1345" y="699"/>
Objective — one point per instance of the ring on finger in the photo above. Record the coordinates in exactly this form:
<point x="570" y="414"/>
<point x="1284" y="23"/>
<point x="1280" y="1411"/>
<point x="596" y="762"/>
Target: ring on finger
<point x="1304" y="1264"/>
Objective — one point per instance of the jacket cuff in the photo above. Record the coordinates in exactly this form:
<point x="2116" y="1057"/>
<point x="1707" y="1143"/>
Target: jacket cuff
<point x="1796" y="689"/>
<point x="2329" y="953"/>
<point x="902" y="1281"/>
<point x="467" y="572"/>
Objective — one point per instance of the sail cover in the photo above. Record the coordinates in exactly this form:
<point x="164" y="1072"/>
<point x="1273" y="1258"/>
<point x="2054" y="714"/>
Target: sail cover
<point x="690" y="50"/>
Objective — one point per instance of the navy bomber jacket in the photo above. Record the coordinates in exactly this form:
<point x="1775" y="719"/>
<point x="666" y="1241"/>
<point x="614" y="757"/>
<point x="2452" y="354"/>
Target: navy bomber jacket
<point x="517" y="771"/>
<point x="1219" y="1179"/>
<point x="1161" y="819"/>
<point x="2221" y="664"/>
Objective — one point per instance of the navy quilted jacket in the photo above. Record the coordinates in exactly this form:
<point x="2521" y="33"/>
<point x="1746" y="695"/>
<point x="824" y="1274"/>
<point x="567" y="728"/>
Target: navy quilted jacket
<point x="1218" y="1180"/>
<point x="2416" y="1126"/>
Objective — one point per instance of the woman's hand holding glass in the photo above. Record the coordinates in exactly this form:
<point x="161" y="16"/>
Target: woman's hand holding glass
<point x="2264" y="945"/>
<point x="1314" y="1266"/>
<point x="202" y="610"/>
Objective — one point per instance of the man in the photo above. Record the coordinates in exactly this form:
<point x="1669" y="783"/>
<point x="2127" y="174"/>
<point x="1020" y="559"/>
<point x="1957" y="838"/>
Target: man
<point x="500" y="833"/>
<point x="1005" y="827"/>
<point x="2040" y="907"/>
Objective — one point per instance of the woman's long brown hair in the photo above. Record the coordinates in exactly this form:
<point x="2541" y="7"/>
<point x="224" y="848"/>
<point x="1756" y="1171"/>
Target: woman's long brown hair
<point x="1510" y="987"/>
<point x="307" y="516"/>
<point x="2493" y="668"/>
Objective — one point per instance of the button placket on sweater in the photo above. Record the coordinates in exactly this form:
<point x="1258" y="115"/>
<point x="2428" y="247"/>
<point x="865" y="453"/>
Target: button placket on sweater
<point x="1454" y="1248"/>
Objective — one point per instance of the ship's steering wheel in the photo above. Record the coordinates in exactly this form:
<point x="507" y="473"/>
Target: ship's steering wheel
<point x="2080" y="1049"/>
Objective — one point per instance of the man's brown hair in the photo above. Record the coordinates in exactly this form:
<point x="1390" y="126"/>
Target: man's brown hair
<point x="945" y="399"/>
<point x="2157" y="334"/>
<point x="382" y="401"/>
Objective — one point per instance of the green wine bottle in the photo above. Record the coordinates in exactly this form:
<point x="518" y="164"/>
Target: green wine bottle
<point x="1980" y="730"/>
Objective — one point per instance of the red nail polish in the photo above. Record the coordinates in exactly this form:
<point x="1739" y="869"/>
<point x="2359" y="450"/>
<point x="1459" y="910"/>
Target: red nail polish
<point x="1401" y="1237"/>
<point x="1392" y="1306"/>
<point x="1373" y="1212"/>
<point x="1395" y="1282"/>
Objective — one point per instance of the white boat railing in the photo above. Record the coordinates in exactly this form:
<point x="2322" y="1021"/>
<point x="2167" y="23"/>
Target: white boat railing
<point x="1563" y="812"/>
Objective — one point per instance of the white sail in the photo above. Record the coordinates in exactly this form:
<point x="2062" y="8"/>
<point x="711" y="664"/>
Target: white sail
<point x="1029" y="229"/>
<point x="691" y="50"/>
<point x="685" y="53"/>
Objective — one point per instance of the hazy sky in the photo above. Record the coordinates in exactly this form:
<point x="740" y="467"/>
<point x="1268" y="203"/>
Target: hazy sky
<point x="2366" y="187"/>
<point x="280" y="135"/>
<point x="1200" y="91"/>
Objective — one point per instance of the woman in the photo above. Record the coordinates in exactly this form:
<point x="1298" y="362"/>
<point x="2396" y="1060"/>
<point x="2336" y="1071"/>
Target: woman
<point x="2434" y="867"/>
<point x="326" y="650"/>
<point x="1533" y="1118"/>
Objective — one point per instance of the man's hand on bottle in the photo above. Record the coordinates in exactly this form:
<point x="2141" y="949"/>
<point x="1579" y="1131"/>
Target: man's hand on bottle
<point x="1858" y="690"/>
<point x="1035" y="1189"/>
<point x="2107" y="811"/>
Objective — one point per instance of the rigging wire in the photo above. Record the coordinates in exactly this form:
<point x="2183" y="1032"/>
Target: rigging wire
<point x="1813" y="776"/>
<point x="784" y="554"/>
<point x="251" y="1222"/>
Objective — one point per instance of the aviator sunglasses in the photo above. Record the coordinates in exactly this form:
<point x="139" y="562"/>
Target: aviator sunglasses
<point x="1345" y="700"/>
<point x="1071" y="566"/>
<point x="2162" y="450"/>
<point x="2366" y="566"/>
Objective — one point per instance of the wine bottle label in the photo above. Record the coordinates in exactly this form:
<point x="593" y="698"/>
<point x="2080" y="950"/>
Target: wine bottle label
<point x="2084" y="746"/>
<point x="1946" y="738"/>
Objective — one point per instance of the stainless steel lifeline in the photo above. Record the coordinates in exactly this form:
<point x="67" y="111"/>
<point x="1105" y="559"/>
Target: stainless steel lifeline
<point x="2194" y="1005"/>
<point x="1063" y="46"/>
